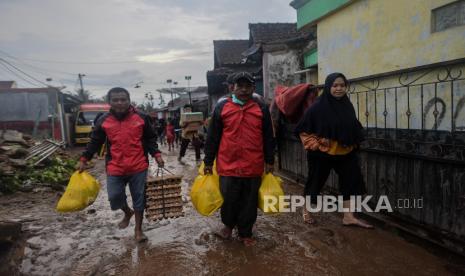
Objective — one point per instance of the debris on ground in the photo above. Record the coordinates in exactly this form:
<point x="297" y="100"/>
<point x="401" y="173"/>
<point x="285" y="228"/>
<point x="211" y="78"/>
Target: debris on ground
<point x="40" y="152"/>
<point x="26" y="164"/>
<point x="90" y="242"/>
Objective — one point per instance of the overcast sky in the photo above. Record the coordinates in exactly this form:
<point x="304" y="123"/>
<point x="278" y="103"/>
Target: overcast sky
<point x="123" y="42"/>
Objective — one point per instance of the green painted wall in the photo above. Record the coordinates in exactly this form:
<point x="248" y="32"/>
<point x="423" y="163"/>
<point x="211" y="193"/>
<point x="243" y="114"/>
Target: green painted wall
<point x="315" y="9"/>
<point x="311" y="58"/>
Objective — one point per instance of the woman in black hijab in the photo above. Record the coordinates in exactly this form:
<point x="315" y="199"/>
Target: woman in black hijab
<point x="330" y="132"/>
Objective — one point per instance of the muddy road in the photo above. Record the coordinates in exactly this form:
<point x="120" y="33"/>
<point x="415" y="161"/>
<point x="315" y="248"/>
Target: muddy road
<point x="89" y="243"/>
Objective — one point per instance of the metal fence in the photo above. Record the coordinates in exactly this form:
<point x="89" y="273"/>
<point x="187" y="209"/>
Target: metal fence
<point x="415" y="144"/>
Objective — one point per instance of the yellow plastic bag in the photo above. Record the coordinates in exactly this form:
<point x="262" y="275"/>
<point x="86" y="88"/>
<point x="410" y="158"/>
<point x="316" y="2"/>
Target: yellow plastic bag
<point x="202" y="167"/>
<point x="271" y="188"/>
<point x="206" y="195"/>
<point x="82" y="190"/>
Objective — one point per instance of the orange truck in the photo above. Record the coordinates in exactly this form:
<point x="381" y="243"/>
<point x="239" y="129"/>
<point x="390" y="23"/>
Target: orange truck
<point x="85" y="120"/>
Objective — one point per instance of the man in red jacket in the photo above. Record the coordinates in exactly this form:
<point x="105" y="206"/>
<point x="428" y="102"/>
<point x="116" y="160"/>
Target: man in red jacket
<point x="129" y="137"/>
<point x="240" y="137"/>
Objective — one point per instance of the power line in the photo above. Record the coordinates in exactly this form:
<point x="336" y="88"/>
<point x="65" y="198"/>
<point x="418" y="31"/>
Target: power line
<point x="41" y="70"/>
<point x="18" y="60"/>
<point x="72" y="62"/>
<point x="73" y="74"/>
<point x="89" y="62"/>
<point x="31" y="77"/>
<point x="17" y="75"/>
<point x="81" y="62"/>
<point x="76" y="84"/>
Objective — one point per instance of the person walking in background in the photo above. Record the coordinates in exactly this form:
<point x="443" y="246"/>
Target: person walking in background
<point x="188" y="135"/>
<point x="177" y="130"/>
<point x="161" y="130"/>
<point x="170" y="135"/>
<point x="331" y="134"/>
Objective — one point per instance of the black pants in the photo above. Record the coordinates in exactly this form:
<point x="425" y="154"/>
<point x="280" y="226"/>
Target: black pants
<point x="177" y="137"/>
<point x="346" y="167"/>
<point x="185" y="143"/>
<point x="240" y="203"/>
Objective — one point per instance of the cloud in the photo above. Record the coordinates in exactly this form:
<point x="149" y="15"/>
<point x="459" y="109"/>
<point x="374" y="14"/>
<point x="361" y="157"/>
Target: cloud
<point x="124" y="78"/>
<point x="172" y="55"/>
<point x="120" y="42"/>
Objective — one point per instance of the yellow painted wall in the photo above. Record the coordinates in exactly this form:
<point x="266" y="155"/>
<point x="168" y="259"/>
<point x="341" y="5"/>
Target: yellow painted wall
<point x="376" y="36"/>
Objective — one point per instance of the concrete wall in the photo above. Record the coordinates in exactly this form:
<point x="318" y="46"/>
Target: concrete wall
<point x="375" y="36"/>
<point x="371" y="37"/>
<point x="25" y="106"/>
<point x="279" y="68"/>
<point x="20" y="110"/>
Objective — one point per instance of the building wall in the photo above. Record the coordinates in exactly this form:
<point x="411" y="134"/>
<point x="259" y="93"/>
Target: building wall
<point x="279" y="68"/>
<point x="20" y="111"/>
<point x="376" y="36"/>
<point x="389" y="104"/>
<point x="24" y="106"/>
<point x="213" y="100"/>
<point x="314" y="9"/>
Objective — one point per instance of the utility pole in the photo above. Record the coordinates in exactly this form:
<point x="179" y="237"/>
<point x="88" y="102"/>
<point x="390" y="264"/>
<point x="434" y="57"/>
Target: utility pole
<point x="169" y="81"/>
<point x="173" y="90"/>
<point x="188" y="78"/>
<point x="162" y="101"/>
<point x="80" y="76"/>
<point x="81" y="92"/>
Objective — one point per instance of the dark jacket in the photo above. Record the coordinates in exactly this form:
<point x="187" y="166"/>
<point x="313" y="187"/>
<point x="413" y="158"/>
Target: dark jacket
<point x="240" y="138"/>
<point x="129" y="141"/>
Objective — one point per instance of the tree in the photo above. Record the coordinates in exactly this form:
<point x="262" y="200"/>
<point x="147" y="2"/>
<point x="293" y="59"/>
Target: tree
<point x="83" y="95"/>
<point x="150" y="104"/>
<point x="140" y="107"/>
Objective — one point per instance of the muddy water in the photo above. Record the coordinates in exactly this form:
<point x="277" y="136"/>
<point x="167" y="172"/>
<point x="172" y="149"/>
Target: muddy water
<point x="88" y="243"/>
<point x="55" y="242"/>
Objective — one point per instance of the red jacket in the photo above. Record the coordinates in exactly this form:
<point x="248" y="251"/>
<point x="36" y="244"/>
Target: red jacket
<point x="240" y="138"/>
<point x="128" y="140"/>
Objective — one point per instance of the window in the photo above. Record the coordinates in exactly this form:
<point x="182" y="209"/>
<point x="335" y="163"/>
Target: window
<point x="86" y="118"/>
<point x="448" y="16"/>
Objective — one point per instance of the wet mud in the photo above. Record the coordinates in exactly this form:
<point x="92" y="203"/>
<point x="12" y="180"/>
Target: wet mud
<point x="89" y="243"/>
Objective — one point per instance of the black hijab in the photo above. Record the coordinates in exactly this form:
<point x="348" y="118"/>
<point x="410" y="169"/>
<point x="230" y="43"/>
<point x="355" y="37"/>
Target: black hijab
<point x="332" y="118"/>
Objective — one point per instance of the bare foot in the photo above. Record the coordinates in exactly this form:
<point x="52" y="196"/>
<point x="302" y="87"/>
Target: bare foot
<point x="125" y="221"/>
<point x="248" y="241"/>
<point x="140" y="236"/>
<point x="225" y="233"/>
<point x="356" y="222"/>
<point x="307" y="218"/>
